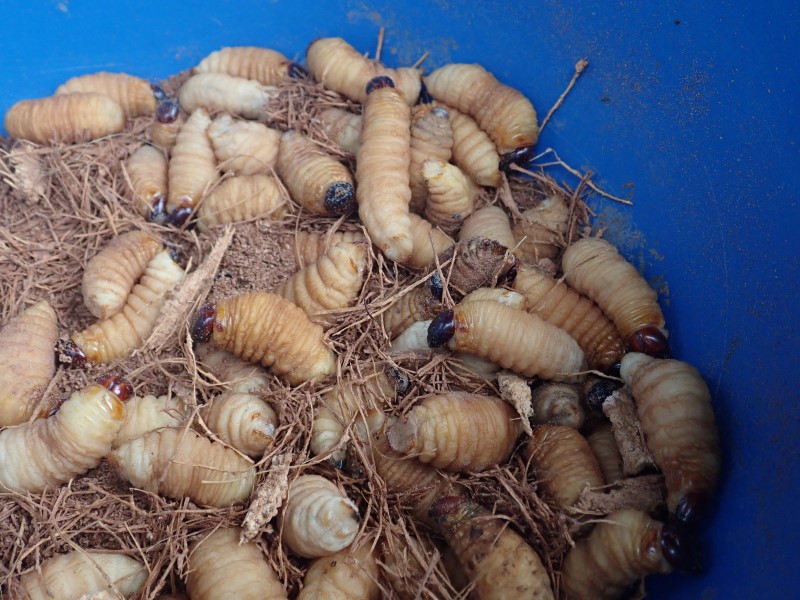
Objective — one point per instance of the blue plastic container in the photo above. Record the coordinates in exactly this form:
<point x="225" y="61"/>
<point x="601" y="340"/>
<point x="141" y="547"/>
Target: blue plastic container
<point x="691" y="109"/>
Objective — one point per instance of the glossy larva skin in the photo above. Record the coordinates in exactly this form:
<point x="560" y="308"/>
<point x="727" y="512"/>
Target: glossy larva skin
<point x="341" y="68"/>
<point x="542" y="233"/>
<point x="557" y="404"/>
<point x="428" y="243"/>
<point x="559" y="304"/>
<point x="312" y="245"/>
<point x="133" y="94"/>
<point x="451" y="195"/>
<point x="242" y="198"/>
<point x="123" y="332"/>
<point x="164" y="135"/>
<point x="382" y="165"/>
<point x="674" y="406"/>
<point x="244" y="147"/>
<point x="416" y="305"/>
<point x="218" y="92"/>
<point x="82" y="573"/>
<point x="221" y="567"/>
<point x="148" y="413"/>
<point x="147" y="171"/>
<point x="490" y="222"/>
<point x="110" y="274"/>
<point x="563" y="462"/>
<point x="69" y="119"/>
<point x="26" y="361"/>
<point x="192" y="164"/>
<point x="51" y="451"/>
<point x="431" y="139"/>
<point x="179" y="463"/>
<point x="604" y="446"/>
<point x="620" y="550"/>
<point x="342" y="127"/>
<point x="474" y="151"/>
<point x="318" y="519"/>
<point x="457" y="432"/>
<point x="506" y="115"/>
<point x="345" y="575"/>
<point x="243" y="421"/>
<point x="266" y="66"/>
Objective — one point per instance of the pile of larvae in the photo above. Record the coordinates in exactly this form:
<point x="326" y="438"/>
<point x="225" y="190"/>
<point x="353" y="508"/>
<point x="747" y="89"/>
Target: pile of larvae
<point x="567" y="333"/>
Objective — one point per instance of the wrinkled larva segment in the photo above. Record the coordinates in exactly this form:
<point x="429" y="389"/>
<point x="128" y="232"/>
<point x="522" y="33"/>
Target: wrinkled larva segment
<point x="451" y="195"/>
<point x="133" y="94"/>
<point x="82" y="573"/>
<point x="235" y="374"/>
<point x="342" y="127"/>
<point x="341" y="68"/>
<point x="168" y="121"/>
<point x="490" y="222"/>
<point x="558" y="404"/>
<point x="620" y="550"/>
<point x="474" y="151"/>
<point x="68" y="119"/>
<point x="431" y="139"/>
<point x="147" y="171"/>
<point x="416" y="305"/>
<point x="110" y="274"/>
<point x="26" y="362"/>
<point x="192" y="164"/>
<point x="218" y="92"/>
<point x="542" y="232"/>
<point x="674" y="407"/>
<point x="243" y="421"/>
<point x="346" y="575"/>
<point x="428" y="242"/>
<point x="242" y="198"/>
<point x="244" y="147"/>
<point x="221" y="567"/>
<point x="148" y="413"/>
<point x="311" y="245"/>
<point x="268" y="67"/>
<point x="501" y="295"/>
<point x="318" y="519"/>
<point x="563" y="463"/>
<point x="604" y="446"/>
<point x="179" y="463"/>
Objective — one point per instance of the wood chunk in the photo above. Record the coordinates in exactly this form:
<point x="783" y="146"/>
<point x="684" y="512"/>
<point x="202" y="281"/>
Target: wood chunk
<point x="620" y="408"/>
<point x="646" y="493"/>
<point x="268" y="499"/>
<point x="516" y="391"/>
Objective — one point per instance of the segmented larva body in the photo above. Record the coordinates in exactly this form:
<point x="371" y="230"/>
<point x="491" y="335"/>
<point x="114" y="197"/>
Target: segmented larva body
<point x="147" y="170"/>
<point x="474" y="151"/>
<point x="674" y="407"/>
<point x="50" y="452"/>
<point x="242" y="198"/>
<point x="133" y="94"/>
<point x="342" y="127"/>
<point x="595" y="268"/>
<point x="218" y="92"/>
<point x="557" y="303"/>
<point x="431" y="139"/>
<point x="315" y="180"/>
<point x="235" y="374"/>
<point x="123" y="332"/>
<point x="243" y="421"/>
<point x="501" y="295"/>
<point x="244" y="147"/>
<point x="168" y="121"/>
<point x="506" y="115"/>
<point x="346" y="575"/>
<point x="318" y="519"/>
<point x="563" y="462"/>
<point x="311" y="245"/>
<point x="428" y="243"/>
<point x="451" y="195"/>
<point x="268" y="67"/>
<point x="457" y="432"/>
<point x="81" y="573"/>
<point x="620" y="550"/>
<point x="382" y="164"/>
<point x="542" y="233"/>
<point x="111" y="273"/>
<point x="26" y="362"/>
<point x="192" y="164"/>
<point x="341" y="68"/>
<point x="68" y="119"/>
<point x="495" y="558"/>
<point x="490" y="222"/>
<point x="263" y="327"/>
<point x="557" y="404"/>
<point x="179" y="463"/>
<point x="148" y="413"/>
<point x="413" y="338"/>
<point x="417" y="305"/>
<point x="604" y="446"/>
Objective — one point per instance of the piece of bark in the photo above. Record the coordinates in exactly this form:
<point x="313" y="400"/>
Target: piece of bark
<point x="516" y="391"/>
<point x="268" y="499"/>
<point x="646" y="493"/>
<point x="620" y="409"/>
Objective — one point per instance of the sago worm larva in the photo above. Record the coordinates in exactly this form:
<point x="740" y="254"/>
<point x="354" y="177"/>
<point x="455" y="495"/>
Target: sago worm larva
<point x="541" y="233"/>
<point x="342" y="127"/>
<point x="451" y="195"/>
<point x="428" y="242"/>
<point x="431" y="139"/>
<point x="133" y="94"/>
<point x="235" y="374"/>
<point x="346" y="575"/>
<point x="26" y="362"/>
<point x="490" y="222"/>
<point x="242" y="420"/>
<point x="50" y="452"/>
<point x="179" y="463"/>
<point x="166" y="124"/>
<point x="557" y="404"/>
<point x="218" y="92"/>
<point x="242" y="198"/>
<point x="244" y="147"/>
<point x="419" y="304"/>
<point x="311" y="245"/>
<point x="147" y="170"/>
<point x="604" y="446"/>
<point x="473" y="150"/>
<point x="148" y="413"/>
<point x="268" y="67"/>
<point x="415" y="337"/>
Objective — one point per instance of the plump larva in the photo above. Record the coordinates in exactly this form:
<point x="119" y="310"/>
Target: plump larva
<point x="244" y="147"/>
<point x="382" y="163"/>
<point x="110" y="274"/>
<point x="626" y="546"/>
<point x="342" y="127"/>
<point x="457" y="432"/>
<point x="604" y="446"/>
<point x="263" y="327"/>
<point x="431" y="139"/>
<point x="26" y="362"/>
<point x="218" y="92"/>
<point x="474" y="151"/>
<point x="167" y="123"/>
<point x="192" y="164"/>
<point x="50" y="452"/>
<point x="506" y="115"/>
<point x="414" y="337"/>
<point x="81" y="573"/>
<point x="451" y="195"/>
<point x="179" y="463"/>
<point x="559" y="304"/>
<point x="315" y="180"/>
<point x="123" y="332"/>
<point x="563" y="462"/>
<point x="595" y="268"/>
<point x="242" y="198"/>
<point x="147" y="171"/>
<point x="674" y="407"/>
<point x="345" y="575"/>
<point x="496" y="559"/>
<point x="428" y="242"/>
<point x="221" y="567"/>
<point x="68" y="119"/>
<point x="266" y="66"/>
<point x="243" y="421"/>
<point x="133" y="94"/>
<point x="512" y="338"/>
<point x="148" y="413"/>
<point x="311" y="245"/>
<point x="341" y="68"/>
<point x="418" y="304"/>
<point x="542" y="232"/>
<point x="235" y="374"/>
<point x="490" y="222"/>
<point x="318" y="519"/>
<point x="557" y="404"/>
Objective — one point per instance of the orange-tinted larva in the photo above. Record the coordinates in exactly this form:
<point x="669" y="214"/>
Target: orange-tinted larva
<point x="148" y="413"/>
<point x="451" y="195"/>
<point x="268" y="67"/>
<point x="541" y="233"/>
<point x="311" y="245"/>
<point x="473" y="150"/>
<point x="604" y="446"/>
<point x="147" y="171"/>
<point x="242" y="198"/>
<point x="557" y="404"/>
<point x="428" y="243"/>
<point x="346" y="575"/>
<point x="244" y="147"/>
<point x="431" y="139"/>
<point x="218" y="92"/>
<point x="133" y="94"/>
<point x="490" y="222"/>
<point x="167" y="123"/>
<point x="342" y="127"/>
<point x="242" y="420"/>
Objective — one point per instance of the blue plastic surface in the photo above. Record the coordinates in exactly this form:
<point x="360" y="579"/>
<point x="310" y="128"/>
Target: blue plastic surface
<point x="691" y="108"/>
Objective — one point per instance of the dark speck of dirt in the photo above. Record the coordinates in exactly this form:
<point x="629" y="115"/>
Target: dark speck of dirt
<point x="677" y="21"/>
<point x="605" y="100"/>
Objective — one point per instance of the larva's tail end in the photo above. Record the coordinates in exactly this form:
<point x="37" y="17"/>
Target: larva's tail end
<point x="203" y="325"/>
<point x="167" y="110"/>
<point x="295" y="71"/>
<point x="681" y="549"/>
<point x="118" y="386"/>
<point x="520" y="157"/>
<point x="402" y="435"/>
<point x="68" y="353"/>
<point x="340" y="198"/>
<point x="441" y="329"/>
<point x="381" y="81"/>
<point x="650" y="340"/>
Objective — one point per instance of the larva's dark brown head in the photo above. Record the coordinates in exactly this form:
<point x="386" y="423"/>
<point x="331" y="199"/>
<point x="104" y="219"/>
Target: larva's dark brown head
<point x="176" y="255"/>
<point x="681" y="549"/>
<point x="651" y="341"/>
<point x="691" y="509"/>
<point x="445" y="508"/>
<point x="68" y="353"/>
<point x="295" y="71"/>
<point x="399" y="380"/>
<point x="425" y="96"/>
<point x="158" y="210"/>
<point x="203" y="325"/>
<point x="158" y="92"/>
<point x="441" y="329"/>
<point x="179" y="216"/>
<point x="520" y="157"/>
<point x="599" y="391"/>
<point x="340" y="198"/>
<point x="117" y="386"/>
<point x="381" y="81"/>
<point x="435" y="286"/>
<point x="167" y="110"/>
